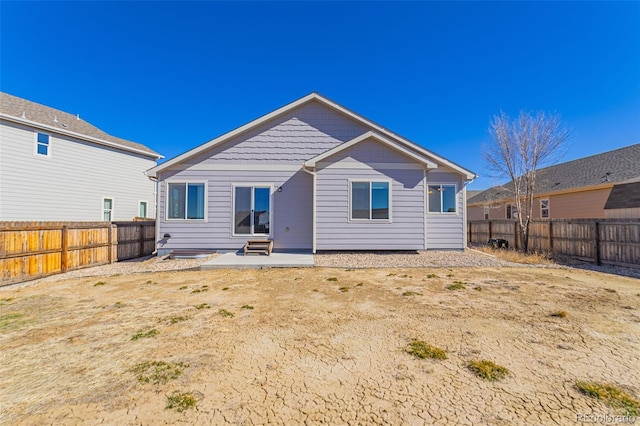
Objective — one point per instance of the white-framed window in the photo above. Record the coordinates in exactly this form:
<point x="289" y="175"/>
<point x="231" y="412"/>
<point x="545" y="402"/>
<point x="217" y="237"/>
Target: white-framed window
<point x="544" y="208"/>
<point x="251" y="209"/>
<point x="441" y="198"/>
<point x="142" y="209"/>
<point x="43" y="144"/>
<point x="486" y="212"/>
<point x="107" y="209"/>
<point x="370" y="200"/>
<point x="512" y="211"/>
<point x="186" y="200"/>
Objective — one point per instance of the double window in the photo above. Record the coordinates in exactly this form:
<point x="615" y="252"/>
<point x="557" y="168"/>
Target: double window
<point x="441" y="198"/>
<point x="186" y="200"/>
<point x="42" y="144"/>
<point x="370" y="200"/>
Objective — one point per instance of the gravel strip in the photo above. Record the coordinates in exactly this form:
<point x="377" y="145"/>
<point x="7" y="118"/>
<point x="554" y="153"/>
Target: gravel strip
<point x="126" y="267"/>
<point x="433" y="259"/>
<point x="353" y="260"/>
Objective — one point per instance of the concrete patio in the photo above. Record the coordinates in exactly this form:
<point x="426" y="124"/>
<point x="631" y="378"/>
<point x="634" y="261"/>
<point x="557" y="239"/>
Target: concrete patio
<point x="276" y="260"/>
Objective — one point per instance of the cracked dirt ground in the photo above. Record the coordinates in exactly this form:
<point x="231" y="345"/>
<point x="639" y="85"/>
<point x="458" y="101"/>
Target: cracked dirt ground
<point x="319" y="346"/>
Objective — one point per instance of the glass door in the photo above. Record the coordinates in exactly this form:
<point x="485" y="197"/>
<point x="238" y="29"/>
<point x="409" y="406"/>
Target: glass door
<point x="252" y="210"/>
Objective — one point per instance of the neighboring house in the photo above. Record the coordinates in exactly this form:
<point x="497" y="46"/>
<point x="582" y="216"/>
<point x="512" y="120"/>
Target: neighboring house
<point x="54" y="166"/>
<point x="311" y="175"/>
<point x="578" y="189"/>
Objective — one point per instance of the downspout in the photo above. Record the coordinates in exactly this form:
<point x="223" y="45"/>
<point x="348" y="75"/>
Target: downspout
<point x="465" y="225"/>
<point x="154" y="179"/>
<point x="312" y="173"/>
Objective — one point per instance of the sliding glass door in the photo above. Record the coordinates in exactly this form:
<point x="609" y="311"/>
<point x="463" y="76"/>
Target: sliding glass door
<point x="252" y="210"/>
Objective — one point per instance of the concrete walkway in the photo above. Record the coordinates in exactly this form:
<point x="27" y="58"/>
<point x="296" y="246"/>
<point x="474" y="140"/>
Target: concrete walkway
<point x="276" y="260"/>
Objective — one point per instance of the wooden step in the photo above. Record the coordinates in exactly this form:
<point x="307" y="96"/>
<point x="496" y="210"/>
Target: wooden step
<point x="259" y="246"/>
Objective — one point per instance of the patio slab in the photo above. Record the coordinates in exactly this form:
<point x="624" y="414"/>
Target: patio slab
<point x="276" y="260"/>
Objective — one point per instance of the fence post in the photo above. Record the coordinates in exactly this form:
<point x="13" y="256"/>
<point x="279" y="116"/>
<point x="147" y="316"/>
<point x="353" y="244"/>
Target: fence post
<point x="110" y="242"/>
<point x="550" y="236"/>
<point x="64" y="249"/>
<point x="141" y="225"/>
<point x="490" y="236"/>
<point x="515" y="235"/>
<point x="596" y="241"/>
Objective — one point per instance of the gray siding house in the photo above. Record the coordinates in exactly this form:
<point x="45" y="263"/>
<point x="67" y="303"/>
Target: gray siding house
<point x="55" y="166"/>
<point x="311" y="176"/>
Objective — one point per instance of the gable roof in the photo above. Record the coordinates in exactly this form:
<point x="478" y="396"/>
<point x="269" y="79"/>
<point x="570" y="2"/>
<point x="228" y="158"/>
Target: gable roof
<point x="624" y="196"/>
<point x="22" y="111"/>
<point x="600" y="170"/>
<point x="383" y="132"/>
<point x="366" y="136"/>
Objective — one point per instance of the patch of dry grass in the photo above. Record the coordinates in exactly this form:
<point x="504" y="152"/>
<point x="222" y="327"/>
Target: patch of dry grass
<point x="488" y="370"/>
<point x="423" y="350"/>
<point x="517" y="257"/>
<point x="612" y="395"/>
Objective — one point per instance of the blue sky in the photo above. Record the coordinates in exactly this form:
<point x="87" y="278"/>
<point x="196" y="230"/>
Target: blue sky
<point x="173" y="75"/>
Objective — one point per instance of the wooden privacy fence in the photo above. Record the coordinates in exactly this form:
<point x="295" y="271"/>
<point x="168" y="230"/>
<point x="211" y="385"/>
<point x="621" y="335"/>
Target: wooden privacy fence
<point x="30" y="250"/>
<point x="602" y="241"/>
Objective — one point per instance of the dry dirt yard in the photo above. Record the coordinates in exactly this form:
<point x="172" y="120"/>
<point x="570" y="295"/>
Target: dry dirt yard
<point x="320" y="345"/>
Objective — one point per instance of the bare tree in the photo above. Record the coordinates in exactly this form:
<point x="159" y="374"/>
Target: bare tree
<point x="520" y="147"/>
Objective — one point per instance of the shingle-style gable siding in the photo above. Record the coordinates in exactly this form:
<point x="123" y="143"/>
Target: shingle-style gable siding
<point x="292" y="138"/>
<point x="624" y="196"/>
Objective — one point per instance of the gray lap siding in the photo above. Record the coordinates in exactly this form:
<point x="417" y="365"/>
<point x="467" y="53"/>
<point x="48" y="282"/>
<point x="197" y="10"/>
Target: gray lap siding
<point x="334" y="229"/>
<point x="291" y="225"/>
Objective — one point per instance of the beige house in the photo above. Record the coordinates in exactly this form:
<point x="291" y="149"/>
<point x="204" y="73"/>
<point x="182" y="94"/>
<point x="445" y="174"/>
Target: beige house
<point x="605" y="185"/>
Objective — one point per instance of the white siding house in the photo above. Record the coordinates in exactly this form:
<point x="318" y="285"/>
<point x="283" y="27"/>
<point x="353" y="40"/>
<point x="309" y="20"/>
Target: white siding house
<point x="311" y="176"/>
<point x="54" y="166"/>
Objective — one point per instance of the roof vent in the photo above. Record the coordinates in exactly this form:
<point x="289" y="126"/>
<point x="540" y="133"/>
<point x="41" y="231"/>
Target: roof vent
<point x="24" y="114"/>
<point x="77" y="116"/>
<point x="55" y="119"/>
<point x="605" y="178"/>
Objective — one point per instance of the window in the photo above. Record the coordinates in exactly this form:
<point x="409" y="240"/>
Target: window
<point x="544" y="208"/>
<point x="442" y="198"/>
<point x="143" y="209"/>
<point x="42" y="144"/>
<point x="512" y="212"/>
<point x="107" y="209"/>
<point x="185" y="200"/>
<point x="486" y="212"/>
<point x="370" y="200"/>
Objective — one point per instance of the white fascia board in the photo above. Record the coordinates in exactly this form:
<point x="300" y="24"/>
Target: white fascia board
<point x="207" y="145"/>
<point x="78" y="136"/>
<point x="371" y="135"/>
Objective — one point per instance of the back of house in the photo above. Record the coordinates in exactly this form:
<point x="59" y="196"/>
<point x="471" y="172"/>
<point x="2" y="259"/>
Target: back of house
<point x="311" y="176"/>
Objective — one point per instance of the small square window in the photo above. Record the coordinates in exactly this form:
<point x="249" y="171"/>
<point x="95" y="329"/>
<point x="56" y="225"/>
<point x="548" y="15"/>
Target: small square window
<point x="42" y="144"/>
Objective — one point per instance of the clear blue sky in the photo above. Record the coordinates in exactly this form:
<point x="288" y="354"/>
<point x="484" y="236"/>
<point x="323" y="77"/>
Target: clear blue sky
<point x="173" y="75"/>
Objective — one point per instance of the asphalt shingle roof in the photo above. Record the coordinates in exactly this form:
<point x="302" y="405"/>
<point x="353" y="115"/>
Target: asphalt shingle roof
<point x="41" y="114"/>
<point x="619" y="165"/>
<point x="624" y="196"/>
